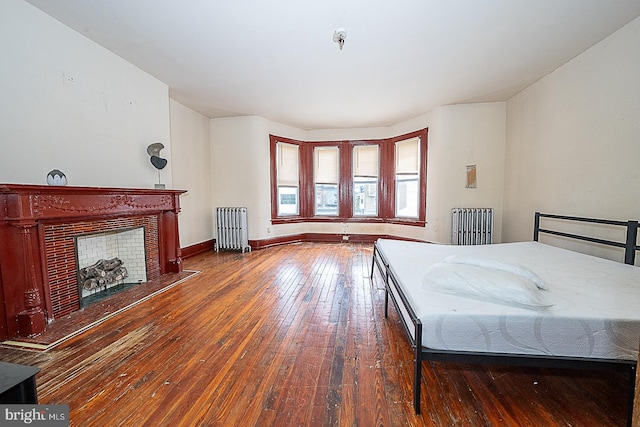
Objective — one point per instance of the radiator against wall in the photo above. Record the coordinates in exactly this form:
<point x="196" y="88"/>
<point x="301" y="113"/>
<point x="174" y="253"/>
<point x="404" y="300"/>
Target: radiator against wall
<point x="471" y="226"/>
<point x="231" y="229"/>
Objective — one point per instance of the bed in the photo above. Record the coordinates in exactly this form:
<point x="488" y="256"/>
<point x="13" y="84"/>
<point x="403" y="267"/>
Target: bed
<point x="525" y="303"/>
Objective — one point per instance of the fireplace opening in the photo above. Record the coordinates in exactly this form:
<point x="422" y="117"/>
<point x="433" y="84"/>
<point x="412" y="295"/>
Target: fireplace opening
<point x="109" y="262"/>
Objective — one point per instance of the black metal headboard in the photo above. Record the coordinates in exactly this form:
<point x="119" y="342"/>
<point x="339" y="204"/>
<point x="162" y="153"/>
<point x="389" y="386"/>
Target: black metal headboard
<point x="629" y="245"/>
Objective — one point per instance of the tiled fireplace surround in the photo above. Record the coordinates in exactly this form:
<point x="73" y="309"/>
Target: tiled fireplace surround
<point x="38" y="271"/>
<point x="61" y="260"/>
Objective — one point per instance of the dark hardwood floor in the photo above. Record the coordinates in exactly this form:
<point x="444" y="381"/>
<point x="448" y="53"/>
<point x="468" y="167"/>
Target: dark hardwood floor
<point x="292" y="335"/>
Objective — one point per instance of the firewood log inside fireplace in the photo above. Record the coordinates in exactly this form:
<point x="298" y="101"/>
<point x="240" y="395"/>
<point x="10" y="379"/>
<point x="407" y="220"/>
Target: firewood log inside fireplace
<point x="102" y="273"/>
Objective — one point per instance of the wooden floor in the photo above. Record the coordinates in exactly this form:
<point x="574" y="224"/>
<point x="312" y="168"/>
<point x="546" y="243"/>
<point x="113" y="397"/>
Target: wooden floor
<point x="286" y="336"/>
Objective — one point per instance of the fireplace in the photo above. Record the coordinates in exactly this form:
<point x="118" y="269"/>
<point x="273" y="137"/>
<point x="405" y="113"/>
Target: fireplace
<point x="62" y="263"/>
<point x="109" y="262"/>
<point x="40" y="227"/>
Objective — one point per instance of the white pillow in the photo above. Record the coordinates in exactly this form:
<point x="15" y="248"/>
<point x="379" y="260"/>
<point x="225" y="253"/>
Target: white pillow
<point x="489" y="263"/>
<point x="487" y="284"/>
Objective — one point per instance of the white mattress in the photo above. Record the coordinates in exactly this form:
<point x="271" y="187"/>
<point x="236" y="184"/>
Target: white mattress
<point x="595" y="311"/>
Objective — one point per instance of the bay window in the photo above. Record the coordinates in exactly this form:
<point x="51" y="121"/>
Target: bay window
<point x="382" y="180"/>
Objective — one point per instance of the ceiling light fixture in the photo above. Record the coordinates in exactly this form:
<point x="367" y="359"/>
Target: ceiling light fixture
<point x="339" y="36"/>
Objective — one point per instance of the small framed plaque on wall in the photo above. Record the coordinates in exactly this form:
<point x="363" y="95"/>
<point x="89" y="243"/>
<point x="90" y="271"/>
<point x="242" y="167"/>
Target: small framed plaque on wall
<point x="471" y="177"/>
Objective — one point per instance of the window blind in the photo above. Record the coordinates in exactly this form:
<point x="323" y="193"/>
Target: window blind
<point x="326" y="165"/>
<point x="365" y="161"/>
<point x="288" y="161"/>
<point x="408" y="156"/>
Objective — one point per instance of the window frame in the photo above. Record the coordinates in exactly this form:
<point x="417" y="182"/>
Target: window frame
<point x="278" y="185"/>
<point x="398" y="174"/>
<point x="386" y="181"/>
<point x="338" y="184"/>
<point x="353" y="181"/>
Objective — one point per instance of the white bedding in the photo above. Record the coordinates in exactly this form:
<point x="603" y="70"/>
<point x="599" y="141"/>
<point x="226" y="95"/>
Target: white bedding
<point x="594" y="304"/>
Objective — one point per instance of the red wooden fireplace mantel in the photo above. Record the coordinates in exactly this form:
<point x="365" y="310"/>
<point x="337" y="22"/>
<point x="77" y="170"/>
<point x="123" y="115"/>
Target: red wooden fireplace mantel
<point x="27" y="210"/>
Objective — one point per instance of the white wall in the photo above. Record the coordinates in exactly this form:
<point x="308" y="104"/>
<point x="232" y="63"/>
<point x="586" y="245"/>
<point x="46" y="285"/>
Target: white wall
<point x="69" y="104"/>
<point x="238" y="165"/>
<point x="573" y="138"/>
<point x="457" y="134"/>
<point x="191" y="156"/>
<point x="461" y="135"/>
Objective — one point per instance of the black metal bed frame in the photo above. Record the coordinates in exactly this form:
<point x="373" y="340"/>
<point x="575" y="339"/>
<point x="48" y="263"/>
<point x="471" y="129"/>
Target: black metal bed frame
<point x="542" y="361"/>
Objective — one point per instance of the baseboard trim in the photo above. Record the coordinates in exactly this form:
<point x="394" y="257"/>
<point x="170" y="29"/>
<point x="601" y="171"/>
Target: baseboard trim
<point x="209" y="245"/>
<point x="322" y="238"/>
<point x="198" y="248"/>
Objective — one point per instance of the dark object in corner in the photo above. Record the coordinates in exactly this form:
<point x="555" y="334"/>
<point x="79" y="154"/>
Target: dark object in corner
<point x="18" y="384"/>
